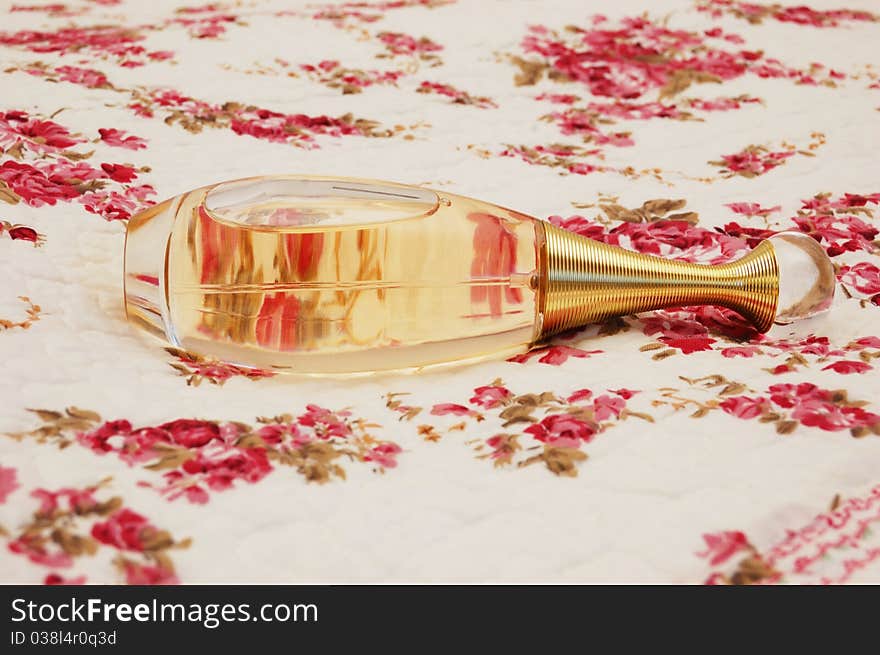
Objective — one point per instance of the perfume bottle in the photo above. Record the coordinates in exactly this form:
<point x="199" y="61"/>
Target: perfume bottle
<point x="323" y="275"/>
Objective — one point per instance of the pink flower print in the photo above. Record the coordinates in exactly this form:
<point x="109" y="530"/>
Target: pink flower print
<point x="8" y="482"/>
<point x="191" y="433"/>
<point x="490" y="396"/>
<point x="384" y="454"/>
<point x="119" y="139"/>
<point x="563" y="430"/>
<point x="721" y="546"/>
<point x="744" y="407"/>
<point x="124" y="529"/>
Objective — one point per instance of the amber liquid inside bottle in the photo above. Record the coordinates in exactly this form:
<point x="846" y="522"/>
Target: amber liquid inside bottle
<point x="340" y="276"/>
<point x="335" y="276"/>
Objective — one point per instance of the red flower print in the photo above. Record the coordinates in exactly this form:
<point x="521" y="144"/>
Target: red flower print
<point x="384" y="454"/>
<point x="48" y="501"/>
<point x="326" y="424"/>
<point x="490" y="396"/>
<point x="8" y="482"/>
<point x="21" y="233"/>
<point x="33" y="186"/>
<point x="203" y="27"/>
<point x="119" y="139"/>
<point x="616" y="63"/>
<point x="566" y="425"/>
<point x="562" y="430"/>
<point x="687" y="328"/>
<point x="191" y="433"/>
<point x="670" y="325"/>
<point x="721" y="104"/>
<point x="56" y="579"/>
<point x="103" y="41"/>
<point x="752" y="209"/>
<point x="335" y="76"/>
<point x="24" y="233"/>
<point x="36" y="551"/>
<point x="298" y="129"/>
<point x="193" y="493"/>
<point x="61" y="175"/>
<point x="740" y="351"/>
<point x="444" y="409"/>
<point x="800" y="14"/>
<point x="721" y="546"/>
<point x="56" y="9"/>
<point x="580" y="395"/>
<point x="71" y="173"/>
<point x="74" y="500"/>
<point x="744" y="407"/>
<point x="688" y="345"/>
<point x="119" y="172"/>
<point x="192" y="456"/>
<point x="124" y="529"/>
<point x="97" y="440"/>
<point x="820" y="414"/>
<point x="832" y="222"/>
<point x="114" y="206"/>
<point x="221" y="471"/>
<point x="35" y="134"/>
<point x="197" y="368"/>
<point x="53" y="504"/>
<point x="724" y="322"/>
<point x="70" y="524"/>
<point x="403" y="44"/>
<point x="86" y="77"/>
<point x="47" y="134"/>
<point x="754" y="161"/>
<point x="846" y="366"/>
<point x="864" y="342"/>
<point x="629" y="60"/>
<point x="276" y="433"/>
<point x="812" y="345"/>
<point x="457" y="95"/>
<point x="561" y="155"/>
<point x="559" y="98"/>
<point x="841" y="233"/>
<point x="809" y="405"/>
<point x="503" y="446"/>
<point x="604" y="407"/>
<point x="147" y="574"/>
<point x="787" y="395"/>
<point x="553" y="355"/>
<point x="864" y="277"/>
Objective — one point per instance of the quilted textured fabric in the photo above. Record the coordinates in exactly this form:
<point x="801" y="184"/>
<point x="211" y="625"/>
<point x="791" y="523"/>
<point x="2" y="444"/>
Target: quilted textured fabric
<point x="676" y="446"/>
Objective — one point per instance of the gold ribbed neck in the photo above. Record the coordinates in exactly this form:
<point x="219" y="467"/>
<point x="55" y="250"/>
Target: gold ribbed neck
<point x="584" y="281"/>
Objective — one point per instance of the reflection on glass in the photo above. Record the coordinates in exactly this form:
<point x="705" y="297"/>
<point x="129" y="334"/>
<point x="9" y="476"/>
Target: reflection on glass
<point x="332" y="276"/>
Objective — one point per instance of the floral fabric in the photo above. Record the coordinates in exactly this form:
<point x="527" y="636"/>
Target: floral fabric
<point x="675" y="446"/>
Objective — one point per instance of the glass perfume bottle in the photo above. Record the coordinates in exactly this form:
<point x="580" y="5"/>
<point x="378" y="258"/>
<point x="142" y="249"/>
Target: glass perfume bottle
<point x="342" y="276"/>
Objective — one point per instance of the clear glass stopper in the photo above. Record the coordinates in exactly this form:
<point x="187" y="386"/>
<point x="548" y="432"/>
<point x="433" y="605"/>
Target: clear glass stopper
<point x="806" y="277"/>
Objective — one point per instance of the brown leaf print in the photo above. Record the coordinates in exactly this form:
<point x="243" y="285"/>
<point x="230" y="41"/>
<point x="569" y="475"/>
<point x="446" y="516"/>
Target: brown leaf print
<point x="192" y="456"/>
<point x="536" y="427"/>
<point x="32" y="311"/>
<point x="71" y="524"/>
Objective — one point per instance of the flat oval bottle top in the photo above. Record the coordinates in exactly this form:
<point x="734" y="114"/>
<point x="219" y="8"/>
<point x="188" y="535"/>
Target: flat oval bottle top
<point x="291" y="203"/>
